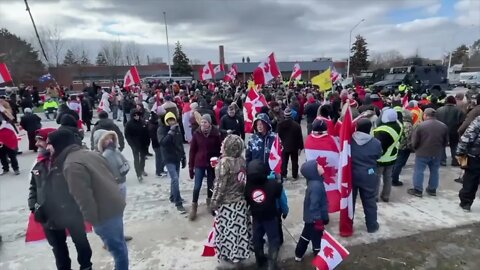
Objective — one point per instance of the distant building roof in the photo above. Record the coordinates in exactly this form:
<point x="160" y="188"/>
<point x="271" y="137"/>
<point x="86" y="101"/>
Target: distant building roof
<point x="287" y="66"/>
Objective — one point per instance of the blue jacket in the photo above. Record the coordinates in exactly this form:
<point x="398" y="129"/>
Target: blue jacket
<point x="366" y="150"/>
<point x="258" y="147"/>
<point x="315" y="204"/>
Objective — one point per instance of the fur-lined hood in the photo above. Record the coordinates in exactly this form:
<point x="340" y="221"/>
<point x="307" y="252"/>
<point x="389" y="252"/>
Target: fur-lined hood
<point x="100" y="136"/>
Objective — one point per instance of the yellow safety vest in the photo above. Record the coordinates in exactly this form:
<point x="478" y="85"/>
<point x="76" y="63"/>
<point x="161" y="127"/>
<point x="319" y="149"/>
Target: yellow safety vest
<point x="392" y="151"/>
<point x="402" y="87"/>
<point x="51" y="104"/>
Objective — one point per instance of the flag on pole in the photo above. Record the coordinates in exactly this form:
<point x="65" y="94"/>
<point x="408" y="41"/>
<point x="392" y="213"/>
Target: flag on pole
<point x="345" y="174"/>
<point x="275" y="157"/>
<point x="209" y="246"/>
<point x="4" y="74"/>
<point x="331" y="254"/>
<point x="218" y="69"/>
<point x="325" y="149"/>
<point x="131" y="77"/>
<point x="405" y="100"/>
<point x="207" y="72"/>
<point x="335" y="76"/>
<point x="232" y="74"/>
<point x="296" y="73"/>
<point x="323" y="80"/>
<point x="253" y="104"/>
<point x="266" y="70"/>
<point x="45" y="78"/>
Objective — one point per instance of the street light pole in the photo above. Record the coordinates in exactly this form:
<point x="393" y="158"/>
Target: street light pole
<point x="350" y="46"/>
<point x="168" y="46"/>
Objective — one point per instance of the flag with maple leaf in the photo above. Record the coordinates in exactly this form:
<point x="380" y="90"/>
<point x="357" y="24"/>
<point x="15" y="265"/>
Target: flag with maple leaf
<point x="275" y="157"/>
<point x="345" y="174"/>
<point x="331" y="254"/>
<point x="325" y="149"/>
<point x="253" y="105"/>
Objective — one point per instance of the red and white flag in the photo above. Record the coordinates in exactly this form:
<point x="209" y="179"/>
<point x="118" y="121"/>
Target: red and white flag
<point x="131" y="77"/>
<point x="232" y="74"/>
<point x="266" y="70"/>
<point x="275" y="157"/>
<point x="296" y="73"/>
<point x="331" y="254"/>
<point x="8" y="135"/>
<point x="335" y="76"/>
<point x="405" y="100"/>
<point x="325" y="148"/>
<point x="218" y="69"/>
<point x="209" y="246"/>
<point x="345" y="174"/>
<point x="207" y="72"/>
<point x="253" y="105"/>
<point x="4" y="73"/>
<point x="35" y="231"/>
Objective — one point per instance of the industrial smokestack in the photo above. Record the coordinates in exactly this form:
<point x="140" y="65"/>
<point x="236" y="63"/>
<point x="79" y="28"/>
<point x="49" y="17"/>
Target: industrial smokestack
<point x="221" y="55"/>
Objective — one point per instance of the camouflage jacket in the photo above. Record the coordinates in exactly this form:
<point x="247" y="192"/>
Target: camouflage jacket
<point x="469" y="143"/>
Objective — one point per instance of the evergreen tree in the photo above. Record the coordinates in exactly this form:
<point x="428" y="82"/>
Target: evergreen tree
<point x="460" y="55"/>
<point x="358" y="61"/>
<point x="181" y="66"/>
<point x="70" y="58"/>
<point x="101" y="60"/>
<point x="84" y="59"/>
<point x="21" y="58"/>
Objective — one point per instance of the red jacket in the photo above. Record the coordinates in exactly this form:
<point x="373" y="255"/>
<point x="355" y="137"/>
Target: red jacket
<point x="203" y="148"/>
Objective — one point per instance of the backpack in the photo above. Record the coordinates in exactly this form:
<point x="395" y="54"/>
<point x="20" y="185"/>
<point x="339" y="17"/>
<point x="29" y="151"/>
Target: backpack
<point x="123" y="167"/>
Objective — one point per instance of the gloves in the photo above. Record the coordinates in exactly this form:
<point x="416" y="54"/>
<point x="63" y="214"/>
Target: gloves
<point x="184" y="163"/>
<point x="318" y="225"/>
<point x="284" y="216"/>
<point x="190" y="171"/>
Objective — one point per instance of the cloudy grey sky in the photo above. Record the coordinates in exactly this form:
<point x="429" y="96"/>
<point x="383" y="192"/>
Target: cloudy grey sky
<point x="293" y="29"/>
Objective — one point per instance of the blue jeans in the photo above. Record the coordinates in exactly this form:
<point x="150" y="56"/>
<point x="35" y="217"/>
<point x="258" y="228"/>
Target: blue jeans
<point x="421" y="163"/>
<point x="174" y="172"/>
<point x="402" y="158"/>
<point x="158" y="161"/>
<point x="111" y="232"/>
<point x="199" y="174"/>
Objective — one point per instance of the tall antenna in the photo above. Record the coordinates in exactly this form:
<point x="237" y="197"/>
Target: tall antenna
<point x="36" y="31"/>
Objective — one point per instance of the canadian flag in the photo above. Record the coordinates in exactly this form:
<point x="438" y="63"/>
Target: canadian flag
<point x="76" y="106"/>
<point x="331" y="254"/>
<point x="325" y="149"/>
<point x="209" y="246"/>
<point x="232" y="74"/>
<point x="4" y="73"/>
<point x="253" y="104"/>
<point x="218" y="69"/>
<point x="345" y="174"/>
<point x="296" y="73"/>
<point x="8" y="135"/>
<point x="335" y="76"/>
<point x="266" y="70"/>
<point x="405" y="100"/>
<point x="275" y="157"/>
<point x="131" y="77"/>
<point x="207" y="72"/>
<point x="104" y="104"/>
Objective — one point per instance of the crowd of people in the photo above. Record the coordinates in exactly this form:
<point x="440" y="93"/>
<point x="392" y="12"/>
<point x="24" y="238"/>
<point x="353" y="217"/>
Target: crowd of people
<point x="243" y="193"/>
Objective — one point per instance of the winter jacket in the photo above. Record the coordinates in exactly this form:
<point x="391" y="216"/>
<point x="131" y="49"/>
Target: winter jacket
<point x="31" y="122"/>
<point x="230" y="173"/>
<point x="430" y="138"/>
<point x="107" y="124"/>
<point x="116" y="161"/>
<point x="290" y="132"/>
<point x="152" y="132"/>
<point x="386" y="140"/>
<point x="63" y="110"/>
<point x="258" y="147"/>
<point x="365" y="151"/>
<point x="406" y="137"/>
<point x="311" y="110"/>
<point x="234" y="123"/>
<point x="261" y="195"/>
<point x="315" y="204"/>
<point x="469" y="143"/>
<point x="136" y="134"/>
<point x="87" y="113"/>
<point x="49" y="190"/>
<point x="469" y="119"/>
<point x="92" y="184"/>
<point x="451" y="116"/>
<point x="171" y="144"/>
<point x="202" y="148"/>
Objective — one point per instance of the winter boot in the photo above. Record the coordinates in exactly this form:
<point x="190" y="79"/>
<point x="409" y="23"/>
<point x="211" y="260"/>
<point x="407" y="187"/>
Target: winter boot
<point x="272" y="259"/>
<point x="193" y="212"/>
<point x="260" y="258"/>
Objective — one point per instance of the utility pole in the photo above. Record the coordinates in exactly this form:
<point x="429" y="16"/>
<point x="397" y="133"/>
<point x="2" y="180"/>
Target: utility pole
<point x="168" y="46"/>
<point x="350" y="47"/>
<point x="36" y="31"/>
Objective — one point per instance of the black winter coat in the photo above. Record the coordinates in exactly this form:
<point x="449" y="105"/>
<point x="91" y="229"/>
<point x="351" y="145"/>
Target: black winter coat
<point x="31" y="122"/>
<point x="49" y="189"/>
<point x="171" y="145"/>
<point x="152" y="132"/>
<point x="311" y="111"/>
<point x="290" y="133"/>
<point x="233" y="123"/>
<point x="136" y="133"/>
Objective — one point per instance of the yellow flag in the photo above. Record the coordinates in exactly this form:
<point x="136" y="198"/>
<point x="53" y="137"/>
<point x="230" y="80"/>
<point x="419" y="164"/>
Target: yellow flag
<point x="323" y="80"/>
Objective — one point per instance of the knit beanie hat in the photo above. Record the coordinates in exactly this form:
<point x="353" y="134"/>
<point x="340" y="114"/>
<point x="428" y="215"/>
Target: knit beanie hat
<point x="364" y="125"/>
<point x="319" y="125"/>
<point x="287" y="113"/>
<point x="61" y="139"/>
<point x="207" y="118"/>
<point x="68" y="120"/>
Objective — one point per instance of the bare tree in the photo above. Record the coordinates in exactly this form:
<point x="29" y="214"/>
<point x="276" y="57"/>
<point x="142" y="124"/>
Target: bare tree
<point x="113" y="52"/>
<point x="52" y="38"/>
<point x="133" y="54"/>
<point x="386" y="59"/>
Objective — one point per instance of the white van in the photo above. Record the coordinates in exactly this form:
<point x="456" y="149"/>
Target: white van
<point x="470" y="78"/>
